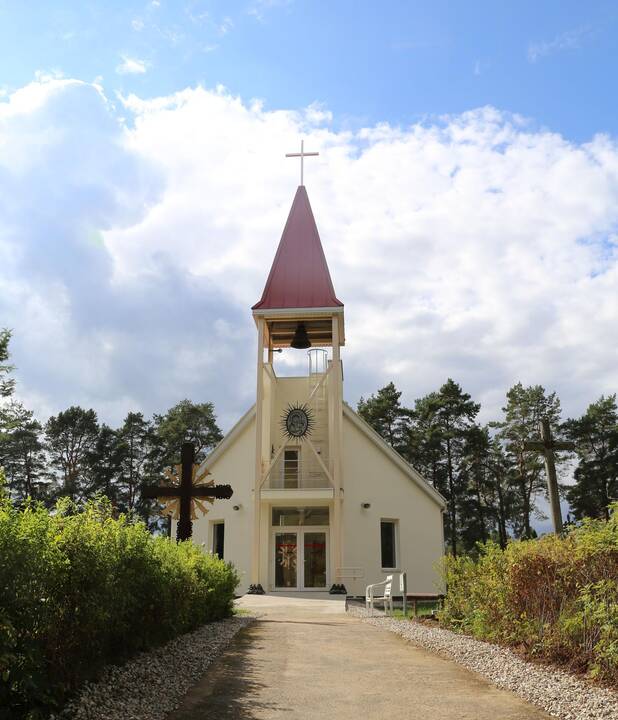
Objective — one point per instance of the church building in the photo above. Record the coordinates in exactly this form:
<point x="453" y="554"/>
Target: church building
<point x="321" y="502"/>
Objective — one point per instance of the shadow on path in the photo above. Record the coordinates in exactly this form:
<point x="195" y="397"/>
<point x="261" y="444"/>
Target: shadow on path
<point x="231" y="688"/>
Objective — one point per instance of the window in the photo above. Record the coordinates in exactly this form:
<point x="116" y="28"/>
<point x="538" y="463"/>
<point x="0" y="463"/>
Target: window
<point x="388" y="542"/>
<point x="218" y="536"/>
<point x="291" y="467"/>
<point x="282" y="516"/>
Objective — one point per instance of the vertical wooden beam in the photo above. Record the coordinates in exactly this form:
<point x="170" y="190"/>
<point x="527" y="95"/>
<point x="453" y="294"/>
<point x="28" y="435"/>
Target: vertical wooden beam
<point x="259" y="412"/>
<point x="552" y="480"/>
<point x="336" y="446"/>
<point x="269" y="343"/>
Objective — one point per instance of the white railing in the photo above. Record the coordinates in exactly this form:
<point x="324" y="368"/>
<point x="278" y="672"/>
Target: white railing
<point x="304" y="474"/>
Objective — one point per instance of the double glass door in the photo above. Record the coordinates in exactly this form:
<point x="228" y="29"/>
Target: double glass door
<point x="300" y="558"/>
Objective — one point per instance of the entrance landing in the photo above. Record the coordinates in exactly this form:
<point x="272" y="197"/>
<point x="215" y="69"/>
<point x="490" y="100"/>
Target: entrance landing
<point x="293" y="603"/>
<point x="306" y="659"/>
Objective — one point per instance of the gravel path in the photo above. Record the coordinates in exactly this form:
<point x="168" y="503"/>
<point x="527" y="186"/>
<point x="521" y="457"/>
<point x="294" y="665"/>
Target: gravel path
<point x="154" y="683"/>
<point x="553" y="690"/>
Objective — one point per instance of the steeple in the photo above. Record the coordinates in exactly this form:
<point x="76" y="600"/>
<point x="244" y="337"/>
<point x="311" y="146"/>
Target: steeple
<point x="299" y="310"/>
<point x="299" y="276"/>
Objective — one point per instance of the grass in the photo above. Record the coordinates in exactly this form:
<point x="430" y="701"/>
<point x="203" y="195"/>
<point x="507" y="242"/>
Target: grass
<point x="240" y="612"/>
<point x="423" y="609"/>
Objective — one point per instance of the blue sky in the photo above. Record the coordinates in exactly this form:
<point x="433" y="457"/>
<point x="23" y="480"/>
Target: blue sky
<point x="554" y="62"/>
<point x="466" y="194"/>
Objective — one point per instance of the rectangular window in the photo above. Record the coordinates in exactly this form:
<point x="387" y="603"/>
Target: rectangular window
<point x="291" y="468"/>
<point x="218" y="537"/>
<point x="282" y="516"/>
<point x="388" y="541"/>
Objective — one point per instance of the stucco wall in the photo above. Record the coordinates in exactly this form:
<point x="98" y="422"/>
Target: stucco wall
<point x="235" y="467"/>
<point x="371" y="476"/>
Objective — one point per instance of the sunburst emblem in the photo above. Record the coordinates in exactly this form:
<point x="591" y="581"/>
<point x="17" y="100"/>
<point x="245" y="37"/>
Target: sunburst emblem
<point x="287" y="555"/>
<point x="297" y="421"/>
<point x="171" y="505"/>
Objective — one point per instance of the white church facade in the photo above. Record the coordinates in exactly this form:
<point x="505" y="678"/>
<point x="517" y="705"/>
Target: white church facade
<point x="321" y="502"/>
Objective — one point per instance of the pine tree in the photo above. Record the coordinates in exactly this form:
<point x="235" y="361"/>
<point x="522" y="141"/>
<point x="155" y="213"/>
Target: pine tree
<point x="476" y="504"/>
<point x="436" y="443"/>
<point x="186" y="421"/>
<point x="384" y="412"/>
<point x="135" y="448"/>
<point x="102" y="465"/>
<point x="22" y="453"/>
<point x="71" y="437"/>
<point x="7" y="384"/>
<point x="456" y="413"/>
<point x="504" y="502"/>
<point x="423" y="448"/>
<point x="524" y="409"/>
<point x="596" y="477"/>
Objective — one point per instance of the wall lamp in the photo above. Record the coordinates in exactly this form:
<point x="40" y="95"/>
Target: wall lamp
<point x="365" y="506"/>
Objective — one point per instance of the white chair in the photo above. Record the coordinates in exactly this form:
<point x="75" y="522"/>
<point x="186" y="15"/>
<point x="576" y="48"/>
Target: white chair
<point x="373" y="595"/>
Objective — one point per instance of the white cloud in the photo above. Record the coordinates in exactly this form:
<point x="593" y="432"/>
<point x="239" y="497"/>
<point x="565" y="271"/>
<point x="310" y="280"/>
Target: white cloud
<point x="570" y="40"/>
<point x="474" y="247"/>
<point x="131" y="66"/>
<point x="259" y="8"/>
<point x="137" y="24"/>
<point x="225" y="26"/>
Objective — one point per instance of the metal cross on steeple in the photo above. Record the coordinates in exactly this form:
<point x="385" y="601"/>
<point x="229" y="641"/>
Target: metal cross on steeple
<point x="302" y="155"/>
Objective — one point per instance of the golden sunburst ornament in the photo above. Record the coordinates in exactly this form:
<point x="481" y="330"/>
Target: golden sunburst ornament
<point x="297" y="421"/>
<point x="171" y="505"/>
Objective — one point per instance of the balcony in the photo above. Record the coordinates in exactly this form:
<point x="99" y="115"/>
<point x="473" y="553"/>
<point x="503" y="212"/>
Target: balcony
<point x="299" y="474"/>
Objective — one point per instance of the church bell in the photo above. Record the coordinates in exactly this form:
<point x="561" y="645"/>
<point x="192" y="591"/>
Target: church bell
<point x="300" y="341"/>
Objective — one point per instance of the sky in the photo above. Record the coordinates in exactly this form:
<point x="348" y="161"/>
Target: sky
<point x="466" y="193"/>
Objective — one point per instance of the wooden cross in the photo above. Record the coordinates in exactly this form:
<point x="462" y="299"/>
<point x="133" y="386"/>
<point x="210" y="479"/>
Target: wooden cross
<point x="188" y="493"/>
<point x="302" y="155"/>
<point x="548" y="446"/>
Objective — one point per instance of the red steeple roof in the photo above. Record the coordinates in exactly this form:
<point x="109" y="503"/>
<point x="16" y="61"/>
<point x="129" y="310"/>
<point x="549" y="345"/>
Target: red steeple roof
<point x="299" y="276"/>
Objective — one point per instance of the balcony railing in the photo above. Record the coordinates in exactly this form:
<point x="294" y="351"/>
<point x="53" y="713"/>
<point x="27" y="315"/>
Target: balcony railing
<point x="297" y="473"/>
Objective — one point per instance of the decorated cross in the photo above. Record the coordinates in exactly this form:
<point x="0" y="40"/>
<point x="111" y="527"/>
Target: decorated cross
<point x="548" y="446"/>
<point x="186" y="492"/>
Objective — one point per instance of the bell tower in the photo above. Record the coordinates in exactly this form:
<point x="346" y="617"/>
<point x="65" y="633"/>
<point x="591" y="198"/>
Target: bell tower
<point x="298" y="423"/>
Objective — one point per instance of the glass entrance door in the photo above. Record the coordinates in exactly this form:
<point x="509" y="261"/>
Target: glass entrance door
<point x="314" y="559"/>
<point x="300" y="559"/>
<point x="286" y="561"/>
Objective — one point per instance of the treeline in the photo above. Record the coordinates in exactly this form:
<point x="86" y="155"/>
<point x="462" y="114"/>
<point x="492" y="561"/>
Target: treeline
<point x="491" y="483"/>
<point x="74" y="455"/>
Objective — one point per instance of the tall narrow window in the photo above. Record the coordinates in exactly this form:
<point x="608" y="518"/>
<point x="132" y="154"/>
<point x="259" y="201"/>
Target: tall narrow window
<point x="291" y="468"/>
<point x="388" y="540"/>
<point x="218" y="537"/>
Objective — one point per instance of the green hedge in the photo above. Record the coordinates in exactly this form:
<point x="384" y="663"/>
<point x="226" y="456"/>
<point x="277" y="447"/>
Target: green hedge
<point x="553" y="598"/>
<point x="82" y="589"/>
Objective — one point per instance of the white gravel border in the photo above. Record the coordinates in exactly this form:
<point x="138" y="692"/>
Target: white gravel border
<point x="154" y="683"/>
<point x="553" y="690"/>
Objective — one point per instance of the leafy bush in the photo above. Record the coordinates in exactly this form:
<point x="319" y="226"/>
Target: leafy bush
<point x="555" y="598"/>
<point x="79" y="589"/>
